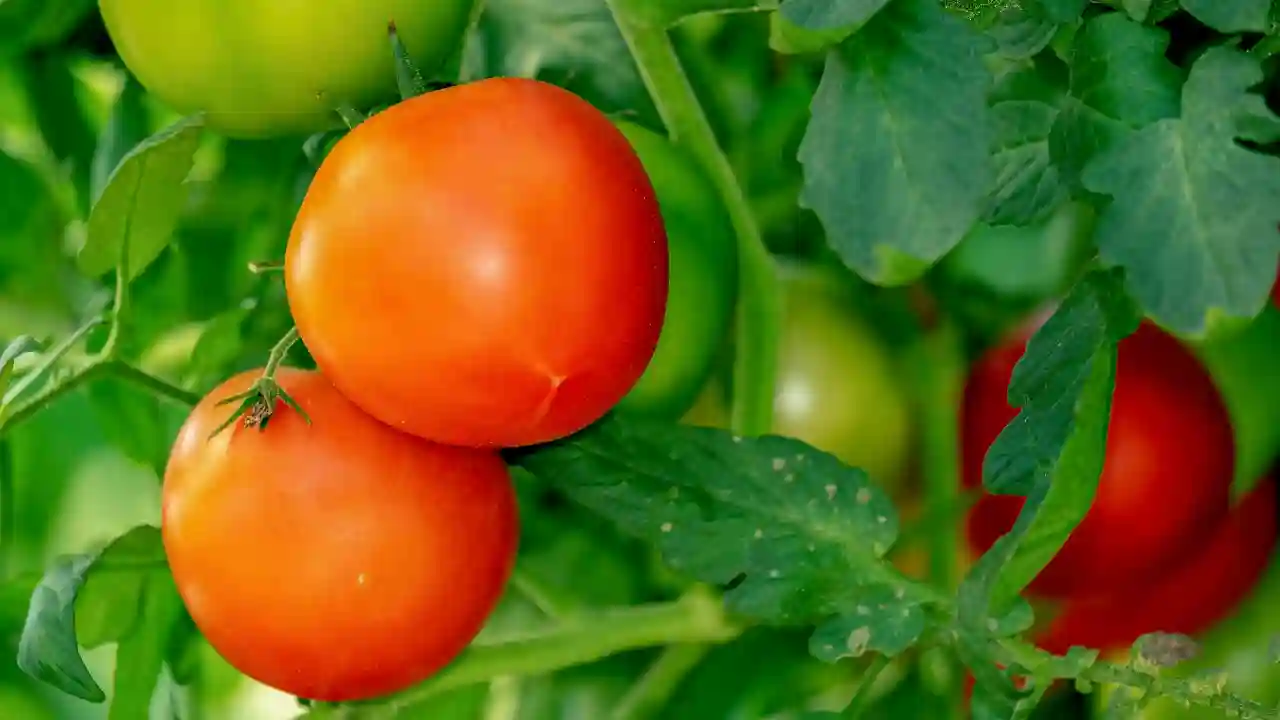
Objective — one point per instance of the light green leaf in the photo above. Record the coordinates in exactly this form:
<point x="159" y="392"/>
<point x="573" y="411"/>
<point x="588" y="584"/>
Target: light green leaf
<point x="126" y="127"/>
<point x="1194" y="215"/>
<point x="142" y="201"/>
<point x="1231" y="16"/>
<point x="896" y="156"/>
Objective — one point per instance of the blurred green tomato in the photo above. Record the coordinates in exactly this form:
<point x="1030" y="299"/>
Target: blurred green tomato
<point x="269" y="67"/>
<point x="703" y="278"/>
<point x="836" y="386"/>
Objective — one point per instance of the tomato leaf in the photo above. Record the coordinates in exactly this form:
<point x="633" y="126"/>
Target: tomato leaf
<point x="141" y="203"/>
<point x="800" y="535"/>
<point x="141" y="654"/>
<point x="829" y="14"/>
<point x="1025" y="105"/>
<point x="1052" y="451"/>
<point x="1059" y="11"/>
<point x="1120" y="81"/>
<point x="90" y="599"/>
<point x="1231" y="16"/>
<point x="1020" y="33"/>
<point x="895" y="157"/>
<point x="1194" y="217"/>
<point x="126" y="127"/>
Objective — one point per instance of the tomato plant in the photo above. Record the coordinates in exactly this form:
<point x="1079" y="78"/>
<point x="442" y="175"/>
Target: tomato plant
<point x="258" y="70"/>
<point x="703" y="278"/>
<point x="396" y="549"/>
<point x="534" y="312"/>
<point x="639" y="358"/>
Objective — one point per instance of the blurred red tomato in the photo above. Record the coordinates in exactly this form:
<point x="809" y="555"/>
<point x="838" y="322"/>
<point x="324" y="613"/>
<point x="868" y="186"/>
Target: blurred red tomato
<point x="1166" y="483"/>
<point x="1190" y="599"/>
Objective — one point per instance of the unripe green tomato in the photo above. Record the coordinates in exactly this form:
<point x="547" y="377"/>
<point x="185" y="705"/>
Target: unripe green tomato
<point x="261" y="68"/>
<point x="703" y="278"/>
<point x="836" y="387"/>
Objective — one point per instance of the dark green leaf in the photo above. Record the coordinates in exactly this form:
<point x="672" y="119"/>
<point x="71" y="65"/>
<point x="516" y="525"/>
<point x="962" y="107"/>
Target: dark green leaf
<point x="26" y="24"/>
<point x="830" y="14"/>
<point x="141" y="654"/>
<point x="48" y="650"/>
<point x="1194" y="215"/>
<point x="1120" y="81"/>
<point x="1137" y="9"/>
<point x="896" y="156"/>
<point x="1052" y="451"/>
<point x="804" y="534"/>
<point x="62" y="119"/>
<point x="141" y="203"/>
<point x="880" y="623"/>
<point x="1231" y="16"/>
<point x="1059" y="11"/>
<point x="1025" y="105"/>
<point x="126" y="127"/>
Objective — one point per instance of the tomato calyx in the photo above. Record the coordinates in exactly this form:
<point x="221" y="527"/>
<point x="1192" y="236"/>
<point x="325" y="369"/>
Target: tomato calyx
<point x="258" y="403"/>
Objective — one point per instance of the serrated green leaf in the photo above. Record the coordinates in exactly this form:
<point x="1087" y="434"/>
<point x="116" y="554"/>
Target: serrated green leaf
<point x="141" y="654"/>
<point x="1020" y="34"/>
<point x="1025" y="105"/>
<point x="1052" y="452"/>
<point x="880" y="622"/>
<point x="1120" y="81"/>
<point x="141" y="203"/>
<point x="829" y="14"/>
<point x="48" y="650"/>
<point x="804" y="533"/>
<point x="896" y="155"/>
<point x="126" y="127"/>
<point x="1194" y="215"/>
<point x="1231" y="16"/>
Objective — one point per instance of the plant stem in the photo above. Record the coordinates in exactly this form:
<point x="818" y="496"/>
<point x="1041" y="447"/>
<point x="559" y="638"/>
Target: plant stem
<point x="863" y="694"/>
<point x="52" y="358"/>
<point x="8" y="510"/>
<point x="578" y="640"/>
<point x="151" y="383"/>
<point x="280" y="352"/>
<point x="759" y="299"/>
<point x="111" y="348"/>
<point x="83" y="374"/>
<point x="652" y="691"/>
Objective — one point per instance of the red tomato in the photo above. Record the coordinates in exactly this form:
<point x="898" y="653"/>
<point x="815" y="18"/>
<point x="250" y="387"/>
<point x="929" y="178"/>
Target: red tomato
<point x="1189" y="599"/>
<point x="483" y="266"/>
<point x="339" y="560"/>
<point x="1166" y="483"/>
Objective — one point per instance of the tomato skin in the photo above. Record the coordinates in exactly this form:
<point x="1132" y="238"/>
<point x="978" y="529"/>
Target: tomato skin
<point x="1190" y="598"/>
<point x="339" y="560"/>
<point x="1166" y="481"/>
<point x="260" y="68"/>
<point x="484" y="265"/>
<point x="703" y="278"/>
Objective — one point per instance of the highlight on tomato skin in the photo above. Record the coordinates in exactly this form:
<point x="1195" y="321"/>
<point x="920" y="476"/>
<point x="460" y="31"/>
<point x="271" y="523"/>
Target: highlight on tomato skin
<point x="337" y="560"/>
<point x="1189" y="599"/>
<point x="1166" y="481"/>
<point x="483" y="266"/>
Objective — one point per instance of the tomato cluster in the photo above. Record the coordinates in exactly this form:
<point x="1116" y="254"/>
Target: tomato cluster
<point x="467" y="279"/>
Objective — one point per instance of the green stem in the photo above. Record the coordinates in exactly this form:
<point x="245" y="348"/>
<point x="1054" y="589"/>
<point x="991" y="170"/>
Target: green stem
<point x="151" y="383"/>
<point x="644" y="28"/>
<point x="111" y="348"/>
<point x="547" y="600"/>
<point x="280" y="352"/>
<point x="654" y="689"/>
<point x="862" y="697"/>
<point x="8" y="510"/>
<point x="578" y="640"/>
<point x="87" y="372"/>
<point x="51" y="359"/>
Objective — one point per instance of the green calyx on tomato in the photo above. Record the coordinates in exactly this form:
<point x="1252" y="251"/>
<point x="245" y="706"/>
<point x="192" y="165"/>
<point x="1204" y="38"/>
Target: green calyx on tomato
<point x="703" y="278"/>
<point x="836" y="385"/>
<point x="1166" y="481"/>
<point x="263" y="68"/>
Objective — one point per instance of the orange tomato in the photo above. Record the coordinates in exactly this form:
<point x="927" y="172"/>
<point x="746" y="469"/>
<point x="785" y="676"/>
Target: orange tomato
<point x="484" y="265"/>
<point x="339" y="560"/>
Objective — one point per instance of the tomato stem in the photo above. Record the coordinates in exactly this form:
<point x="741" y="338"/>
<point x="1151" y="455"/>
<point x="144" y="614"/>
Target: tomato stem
<point x="8" y="509"/>
<point x="759" y="294"/>
<point x="279" y="352"/>
<point x="654" y="689"/>
<point x="862" y="696"/>
<point x="698" y="616"/>
<point x="120" y="307"/>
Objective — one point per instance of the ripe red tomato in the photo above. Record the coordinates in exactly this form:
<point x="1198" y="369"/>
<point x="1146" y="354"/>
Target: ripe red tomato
<point x="1191" y="598"/>
<point x="1166" y="483"/>
<point x="483" y="266"/>
<point x="339" y="560"/>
